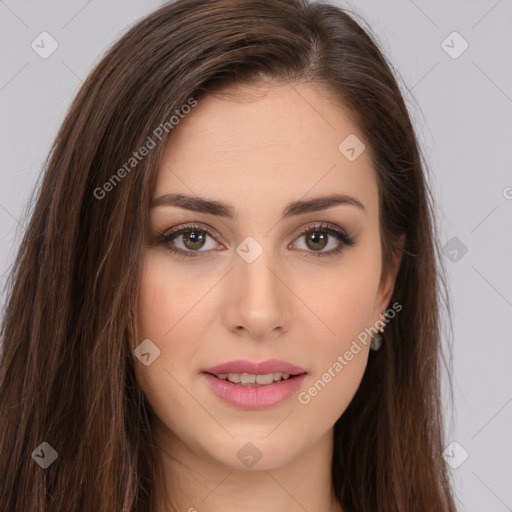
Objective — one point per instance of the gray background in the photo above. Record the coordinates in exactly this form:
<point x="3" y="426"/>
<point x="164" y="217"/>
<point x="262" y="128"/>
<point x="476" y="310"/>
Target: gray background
<point x="462" y="109"/>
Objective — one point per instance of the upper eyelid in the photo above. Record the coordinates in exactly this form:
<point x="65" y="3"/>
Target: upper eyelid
<point x="189" y="226"/>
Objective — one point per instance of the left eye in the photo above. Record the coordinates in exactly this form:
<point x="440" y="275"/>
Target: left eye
<point x="193" y="240"/>
<point x="318" y="239"/>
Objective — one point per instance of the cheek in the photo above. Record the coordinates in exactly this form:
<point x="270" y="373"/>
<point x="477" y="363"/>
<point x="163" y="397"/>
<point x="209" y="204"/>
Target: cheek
<point x="164" y="317"/>
<point x="341" y="356"/>
<point x="169" y="303"/>
<point x="343" y="301"/>
<point x="168" y="316"/>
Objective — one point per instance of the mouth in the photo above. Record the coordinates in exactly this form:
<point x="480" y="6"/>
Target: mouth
<point x="254" y="385"/>
<point x="250" y="380"/>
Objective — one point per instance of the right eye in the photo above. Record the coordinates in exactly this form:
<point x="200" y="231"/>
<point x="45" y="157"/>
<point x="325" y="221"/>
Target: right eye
<point x="191" y="237"/>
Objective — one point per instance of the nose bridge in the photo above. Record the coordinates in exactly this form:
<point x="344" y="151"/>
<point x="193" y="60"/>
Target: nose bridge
<point x="253" y="268"/>
<point x="257" y="298"/>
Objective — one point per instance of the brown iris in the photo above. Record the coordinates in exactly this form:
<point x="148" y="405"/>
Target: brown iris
<point x="196" y="239"/>
<point x="316" y="238"/>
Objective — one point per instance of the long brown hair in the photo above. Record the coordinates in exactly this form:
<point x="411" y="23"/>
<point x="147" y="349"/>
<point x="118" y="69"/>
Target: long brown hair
<point x="67" y="373"/>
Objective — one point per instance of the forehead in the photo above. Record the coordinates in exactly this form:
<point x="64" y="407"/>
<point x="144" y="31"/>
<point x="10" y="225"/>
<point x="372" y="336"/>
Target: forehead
<point x="269" y="143"/>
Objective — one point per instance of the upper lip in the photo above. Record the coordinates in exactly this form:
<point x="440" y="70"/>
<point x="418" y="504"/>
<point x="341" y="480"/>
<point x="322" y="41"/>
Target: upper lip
<point x="261" y="368"/>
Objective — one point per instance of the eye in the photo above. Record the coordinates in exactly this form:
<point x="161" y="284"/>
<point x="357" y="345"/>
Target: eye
<point x="194" y="240"/>
<point x="191" y="237"/>
<point x="318" y="237"/>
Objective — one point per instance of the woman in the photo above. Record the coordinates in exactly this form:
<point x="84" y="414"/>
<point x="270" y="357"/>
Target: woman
<point x="232" y="212"/>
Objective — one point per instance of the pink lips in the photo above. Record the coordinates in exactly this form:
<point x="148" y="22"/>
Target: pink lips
<point x="245" y="366"/>
<point x="261" y="397"/>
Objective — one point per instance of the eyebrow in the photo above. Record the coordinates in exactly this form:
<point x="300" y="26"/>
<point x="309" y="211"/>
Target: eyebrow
<point x="201" y="205"/>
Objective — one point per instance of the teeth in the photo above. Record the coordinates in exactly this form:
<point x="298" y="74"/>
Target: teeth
<point x="233" y="377"/>
<point x="246" y="378"/>
<point x="265" y="379"/>
<point x="249" y="378"/>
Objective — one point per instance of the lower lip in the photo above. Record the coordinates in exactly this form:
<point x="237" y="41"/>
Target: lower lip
<point x="261" y="397"/>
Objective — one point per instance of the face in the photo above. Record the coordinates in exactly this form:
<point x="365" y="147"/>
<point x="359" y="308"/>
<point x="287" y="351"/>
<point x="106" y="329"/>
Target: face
<point x="260" y="279"/>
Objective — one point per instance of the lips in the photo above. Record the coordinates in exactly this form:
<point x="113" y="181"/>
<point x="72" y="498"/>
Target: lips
<point x="263" y="368"/>
<point x="250" y="385"/>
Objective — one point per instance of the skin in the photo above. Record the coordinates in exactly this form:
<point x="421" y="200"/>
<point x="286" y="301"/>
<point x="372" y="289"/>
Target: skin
<point x="258" y="150"/>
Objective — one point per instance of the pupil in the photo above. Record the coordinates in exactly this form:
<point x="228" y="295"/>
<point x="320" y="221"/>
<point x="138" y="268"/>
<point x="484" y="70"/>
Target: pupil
<point x="317" y="238"/>
<point x="194" y="238"/>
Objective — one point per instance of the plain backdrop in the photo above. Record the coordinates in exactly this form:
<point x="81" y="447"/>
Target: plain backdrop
<point x="458" y="88"/>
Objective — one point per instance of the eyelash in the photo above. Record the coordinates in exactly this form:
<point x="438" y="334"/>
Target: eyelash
<point x="345" y="239"/>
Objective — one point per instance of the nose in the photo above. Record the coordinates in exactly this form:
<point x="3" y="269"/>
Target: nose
<point x="256" y="294"/>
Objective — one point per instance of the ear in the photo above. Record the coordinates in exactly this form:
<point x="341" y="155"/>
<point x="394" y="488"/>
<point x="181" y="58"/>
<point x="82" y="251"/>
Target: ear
<point x="387" y="282"/>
